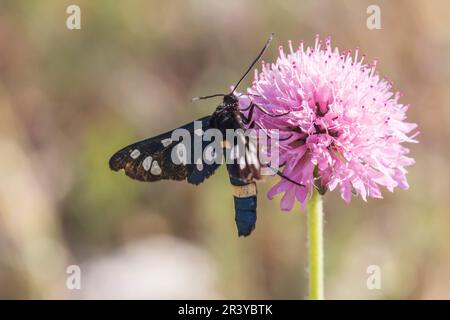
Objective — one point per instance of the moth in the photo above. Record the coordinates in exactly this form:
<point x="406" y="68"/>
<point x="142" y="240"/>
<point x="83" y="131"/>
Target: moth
<point x="153" y="159"/>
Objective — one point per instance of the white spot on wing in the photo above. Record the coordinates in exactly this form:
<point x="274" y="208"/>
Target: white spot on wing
<point x="252" y="158"/>
<point x="155" y="170"/>
<point x="166" y="142"/>
<point x="210" y="154"/>
<point x="256" y="161"/>
<point x="181" y="153"/>
<point x="235" y="152"/>
<point x="199" y="165"/>
<point x="252" y="147"/>
<point x="135" y="153"/>
<point x="147" y="163"/>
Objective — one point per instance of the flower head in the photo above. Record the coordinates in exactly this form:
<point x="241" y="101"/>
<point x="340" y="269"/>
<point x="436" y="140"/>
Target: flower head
<point x="344" y="127"/>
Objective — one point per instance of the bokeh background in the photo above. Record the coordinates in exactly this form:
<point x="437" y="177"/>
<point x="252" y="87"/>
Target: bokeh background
<point x="70" y="98"/>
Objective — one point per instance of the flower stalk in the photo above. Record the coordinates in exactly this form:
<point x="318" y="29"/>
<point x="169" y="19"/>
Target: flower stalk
<point x="315" y="243"/>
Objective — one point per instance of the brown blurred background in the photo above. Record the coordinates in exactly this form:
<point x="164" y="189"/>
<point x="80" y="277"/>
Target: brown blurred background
<point x="70" y="98"/>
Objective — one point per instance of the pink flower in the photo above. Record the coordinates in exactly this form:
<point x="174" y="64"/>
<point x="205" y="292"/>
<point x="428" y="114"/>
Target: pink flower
<point x="345" y="125"/>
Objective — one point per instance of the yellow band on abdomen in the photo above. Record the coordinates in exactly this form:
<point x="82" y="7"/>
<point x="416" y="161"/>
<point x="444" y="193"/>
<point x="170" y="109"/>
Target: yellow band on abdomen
<point x="245" y="191"/>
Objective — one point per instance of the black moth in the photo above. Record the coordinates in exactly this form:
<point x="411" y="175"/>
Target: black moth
<point x="150" y="160"/>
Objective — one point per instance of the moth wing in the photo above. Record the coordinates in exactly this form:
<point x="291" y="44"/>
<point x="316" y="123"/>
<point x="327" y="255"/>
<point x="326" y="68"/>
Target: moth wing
<point x="162" y="158"/>
<point x="243" y="162"/>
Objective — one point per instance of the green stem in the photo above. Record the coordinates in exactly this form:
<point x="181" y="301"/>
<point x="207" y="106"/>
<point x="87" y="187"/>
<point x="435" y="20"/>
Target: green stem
<point x="315" y="241"/>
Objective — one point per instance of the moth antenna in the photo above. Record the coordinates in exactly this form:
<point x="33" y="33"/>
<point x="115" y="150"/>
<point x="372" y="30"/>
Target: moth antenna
<point x="254" y="61"/>
<point x="245" y="74"/>
<point x="250" y="95"/>
<point x="210" y="96"/>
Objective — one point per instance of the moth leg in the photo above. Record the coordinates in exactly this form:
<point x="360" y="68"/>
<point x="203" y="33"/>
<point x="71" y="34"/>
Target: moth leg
<point x="253" y="105"/>
<point x="271" y="114"/>
<point x="287" y="138"/>
<point x="248" y="108"/>
<point x="251" y="124"/>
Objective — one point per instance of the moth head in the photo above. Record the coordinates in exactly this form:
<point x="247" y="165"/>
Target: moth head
<point x="230" y="99"/>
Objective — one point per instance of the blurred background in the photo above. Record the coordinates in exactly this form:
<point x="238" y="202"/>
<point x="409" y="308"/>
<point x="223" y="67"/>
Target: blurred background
<point x="71" y="98"/>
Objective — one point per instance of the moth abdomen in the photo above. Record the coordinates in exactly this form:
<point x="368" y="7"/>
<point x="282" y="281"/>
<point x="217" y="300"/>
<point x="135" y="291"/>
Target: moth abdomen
<point x="245" y="201"/>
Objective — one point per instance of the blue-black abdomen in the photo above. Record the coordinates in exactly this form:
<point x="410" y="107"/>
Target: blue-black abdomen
<point x="245" y="214"/>
<point x="244" y="206"/>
